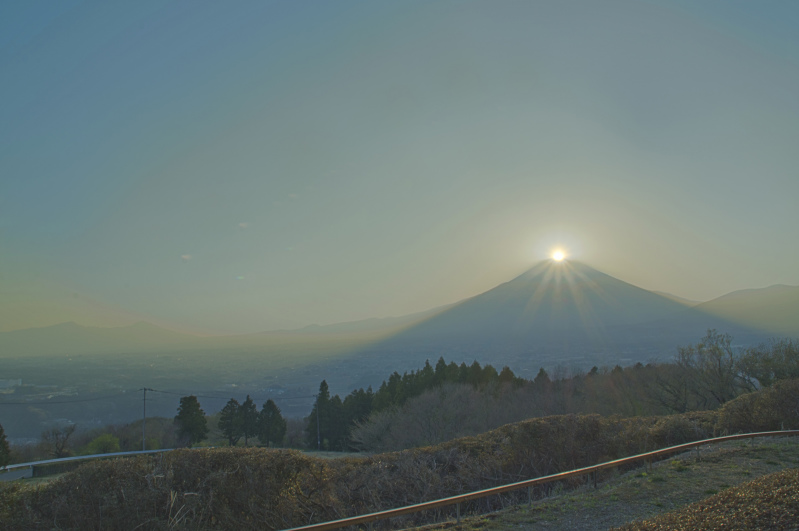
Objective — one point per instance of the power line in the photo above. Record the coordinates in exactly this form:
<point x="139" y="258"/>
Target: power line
<point x="129" y="394"/>
<point x="47" y="402"/>
<point x="257" y="399"/>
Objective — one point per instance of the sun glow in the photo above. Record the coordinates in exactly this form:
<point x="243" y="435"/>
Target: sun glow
<point x="558" y="255"/>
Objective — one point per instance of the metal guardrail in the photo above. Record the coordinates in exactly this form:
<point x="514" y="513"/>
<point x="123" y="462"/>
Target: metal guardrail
<point x="7" y="474"/>
<point x="453" y="500"/>
<point x="80" y="458"/>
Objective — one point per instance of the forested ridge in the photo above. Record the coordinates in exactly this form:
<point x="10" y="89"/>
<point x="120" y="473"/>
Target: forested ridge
<point x="445" y="401"/>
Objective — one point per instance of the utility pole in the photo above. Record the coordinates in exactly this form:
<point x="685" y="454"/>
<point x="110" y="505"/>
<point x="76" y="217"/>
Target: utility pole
<point x="144" y="419"/>
<point x="318" y="437"/>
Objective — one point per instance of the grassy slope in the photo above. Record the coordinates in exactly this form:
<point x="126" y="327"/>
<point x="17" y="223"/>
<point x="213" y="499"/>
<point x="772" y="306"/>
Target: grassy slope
<point x="670" y="486"/>
<point x="770" y="502"/>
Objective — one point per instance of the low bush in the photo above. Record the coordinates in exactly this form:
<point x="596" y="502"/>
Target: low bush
<point x="772" y="408"/>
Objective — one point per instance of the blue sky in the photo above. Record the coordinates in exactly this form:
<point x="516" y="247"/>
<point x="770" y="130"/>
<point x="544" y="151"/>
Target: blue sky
<point x="238" y="167"/>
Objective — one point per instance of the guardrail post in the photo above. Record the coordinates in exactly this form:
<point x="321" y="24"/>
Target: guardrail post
<point x="594" y="474"/>
<point x="458" y="512"/>
<point x="530" y="495"/>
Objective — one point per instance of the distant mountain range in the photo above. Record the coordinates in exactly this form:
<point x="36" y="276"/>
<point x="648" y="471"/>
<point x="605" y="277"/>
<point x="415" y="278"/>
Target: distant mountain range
<point x="566" y="312"/>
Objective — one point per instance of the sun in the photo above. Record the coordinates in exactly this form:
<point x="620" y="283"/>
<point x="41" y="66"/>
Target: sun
<point x="558" y="255"/>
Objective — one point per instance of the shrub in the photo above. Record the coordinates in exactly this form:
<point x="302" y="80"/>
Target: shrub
<point x="773" y="408"/>
<point x="103" y="444"/>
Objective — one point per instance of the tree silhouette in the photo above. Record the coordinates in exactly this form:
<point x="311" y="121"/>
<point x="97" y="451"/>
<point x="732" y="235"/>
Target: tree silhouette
<point x="248" y="414"/>
<point x="190" y="420"/>
<point x="5" y="450"/>
<point x="319" y="417"/>
<point x="271" y="424"/>
<point x="230" y="422"/>
<point x="58" y="440"/>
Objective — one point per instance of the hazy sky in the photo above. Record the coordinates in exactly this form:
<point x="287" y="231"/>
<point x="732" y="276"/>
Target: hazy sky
<point x="246" y="166"/>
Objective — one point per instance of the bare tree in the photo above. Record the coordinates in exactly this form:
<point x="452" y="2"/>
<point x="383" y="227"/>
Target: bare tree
<point x="58" y="439"/>
<point x="716" y="367"/>
<point x="703" y="376"/>
<point x="770" y="362"/>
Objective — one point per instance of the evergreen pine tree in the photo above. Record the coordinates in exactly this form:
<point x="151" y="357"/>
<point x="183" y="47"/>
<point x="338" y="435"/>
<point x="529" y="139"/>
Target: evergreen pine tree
<point x="5" y="449"/>
<point x="336" y="429"/>
<point x="440" y="371"/>
<point x="271" y="424"/>
<point x="542" y="378"/>
<point x="318" y="418"/>
<point x="230" y="422"/>
<point x="248" y="413"/>
<point x="507" y="376"/>
<point x="190" y="420"/>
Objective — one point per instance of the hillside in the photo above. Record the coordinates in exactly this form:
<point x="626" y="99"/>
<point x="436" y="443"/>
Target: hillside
<point x="770" y="502"/>
<point x="774" y="310"/>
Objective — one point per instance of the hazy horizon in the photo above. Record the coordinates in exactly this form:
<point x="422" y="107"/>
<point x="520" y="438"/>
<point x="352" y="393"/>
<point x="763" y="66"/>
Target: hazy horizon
<point x="392" y="317"/>
<point x="263" y="166"/>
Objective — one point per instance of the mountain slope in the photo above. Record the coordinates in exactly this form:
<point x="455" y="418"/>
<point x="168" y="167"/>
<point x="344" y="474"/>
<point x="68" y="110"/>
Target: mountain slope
<point x="675" y="298"/>
<point x="774" y="309"/>
<point x="554" y="297"/>
<point x="559" y="313"/>
<point x="373" y="325"/>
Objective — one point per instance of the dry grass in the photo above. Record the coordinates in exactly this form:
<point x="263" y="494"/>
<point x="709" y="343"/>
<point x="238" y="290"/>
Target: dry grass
<point x="770" y="502"/>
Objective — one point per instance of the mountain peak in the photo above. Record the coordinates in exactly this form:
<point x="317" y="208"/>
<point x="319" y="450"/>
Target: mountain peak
<point x="551" y="298"/>
<point x="558" y="313"/>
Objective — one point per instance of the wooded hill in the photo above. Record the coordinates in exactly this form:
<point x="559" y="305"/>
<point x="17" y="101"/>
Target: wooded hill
<point x="436" y="404"/>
